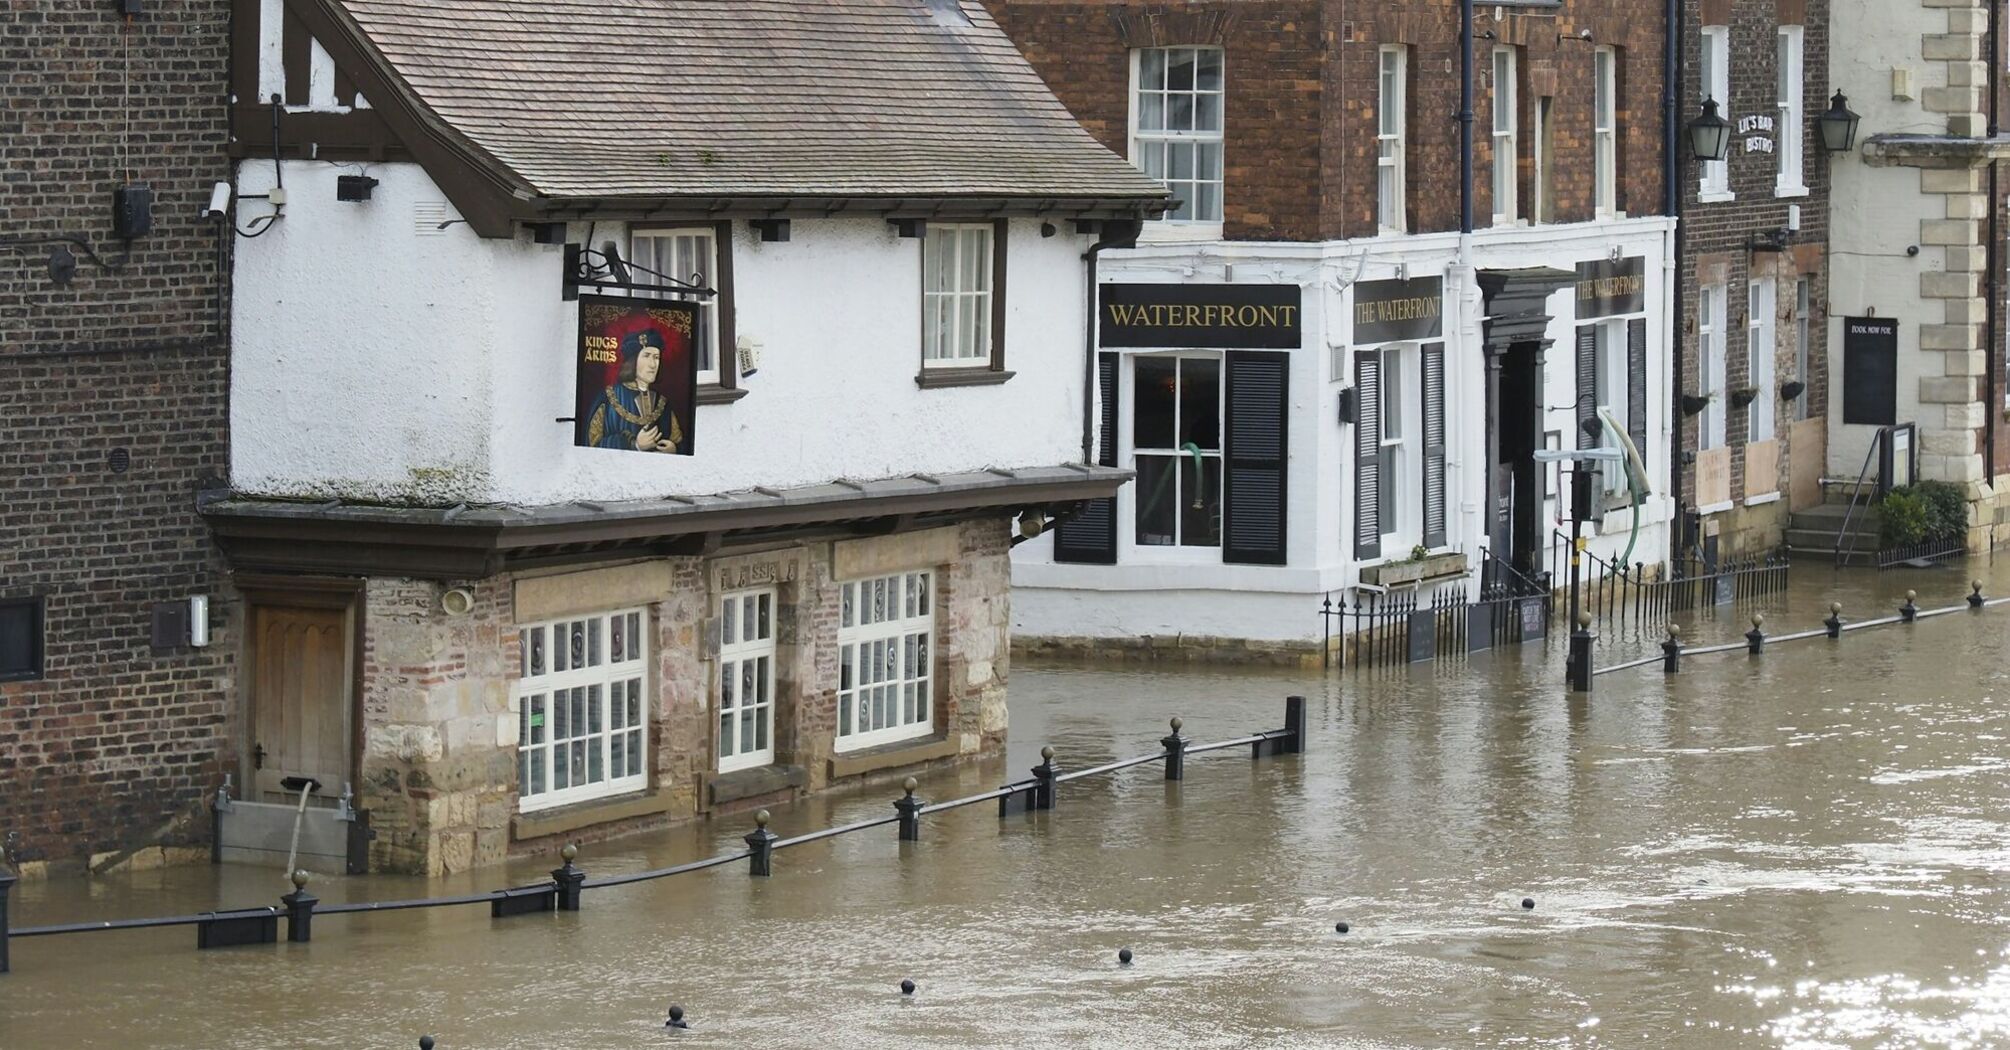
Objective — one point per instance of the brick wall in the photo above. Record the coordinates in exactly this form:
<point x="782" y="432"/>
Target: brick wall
<point x="1716" y="236"/>
<point x="117" y="739"/>
<point x="1301" y="84"/>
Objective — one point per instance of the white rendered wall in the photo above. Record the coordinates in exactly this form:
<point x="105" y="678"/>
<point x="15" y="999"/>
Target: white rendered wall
<point x="1173" y="591"/>
<point x="377" y="358"/>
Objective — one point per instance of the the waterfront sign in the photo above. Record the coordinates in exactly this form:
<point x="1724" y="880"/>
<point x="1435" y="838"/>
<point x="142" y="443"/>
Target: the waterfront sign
<point x="1213" y="316"/>
<point x="1608" y="289"/>
<point x="1399" y="311"/>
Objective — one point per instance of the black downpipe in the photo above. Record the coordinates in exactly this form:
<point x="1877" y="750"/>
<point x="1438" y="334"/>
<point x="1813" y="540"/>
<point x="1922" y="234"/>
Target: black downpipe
<point x="1671" y="203"/>
<point x="1992" y="352"/>
<point x="1465" y="116"/>
<point x="1123" y="234"/>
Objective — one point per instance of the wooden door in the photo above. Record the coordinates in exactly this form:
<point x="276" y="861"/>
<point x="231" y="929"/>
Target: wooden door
<point x="301" y="702"/>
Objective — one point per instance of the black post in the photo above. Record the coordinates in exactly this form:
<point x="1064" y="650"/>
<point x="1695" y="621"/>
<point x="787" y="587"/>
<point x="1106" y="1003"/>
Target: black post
<point x="1671" y="651"/>
<point x="7" y="880"/>
<point x="762" y="842"/>
<point x="1835" y="621"/>
<point x="566" y="879"/>
<point x="1577" y="666"/>
<point x="299" y="910"/>
<point x="1975" y="595"/>
<point x="910" y="811"/>
<point x="1910" y="610"/>
<point x="1755" y="639"/>
<point x="1175" y="746"/>
<point x="1294" y="721"/>
<point x="1043" y="792"/>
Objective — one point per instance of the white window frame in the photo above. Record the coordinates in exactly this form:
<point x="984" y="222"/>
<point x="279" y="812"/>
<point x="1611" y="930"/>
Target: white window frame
<point x="1506" y="137"/>
<point x="1762" y="347"/>
<point x="1540" y="147"/>
<point x="1153" y="149"/>
<point x="899" y="642"/>
<point x="1791" y="180"/>
<point x="688" y="253"/>
<point x="956" y="285"/>
<point x="1181" y="458"/>
<point x="747" y="630"/>
<point x="1392" y="213"/>
<point x="1715" y="84"/>
<point x="1399" y="491"/>
<point x="1605" y="131"/>
<point x="1804" y="296"/>
<point x="545" y="672"/>
<point x="1712" y="302"/>
<point x="1611" y="393"/>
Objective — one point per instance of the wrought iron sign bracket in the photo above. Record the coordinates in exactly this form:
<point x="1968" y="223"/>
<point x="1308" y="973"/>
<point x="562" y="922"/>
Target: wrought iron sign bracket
<point x="605" y="270"/>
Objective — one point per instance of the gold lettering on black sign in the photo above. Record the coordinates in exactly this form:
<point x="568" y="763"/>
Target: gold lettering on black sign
<point x="1201" y="315"/>
<point x="1380" y="311"/>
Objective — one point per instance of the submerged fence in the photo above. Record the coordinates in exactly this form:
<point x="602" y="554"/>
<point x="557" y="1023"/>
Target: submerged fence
<point x="1614" y="593"/>
<point x="563" y="892"/>
<point x="1833" y="628"/>
<point x="1396" y="628"/>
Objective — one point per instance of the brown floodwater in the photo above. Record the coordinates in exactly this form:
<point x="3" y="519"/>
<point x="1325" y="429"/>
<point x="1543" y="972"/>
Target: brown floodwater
<point x="1810" y="849"/>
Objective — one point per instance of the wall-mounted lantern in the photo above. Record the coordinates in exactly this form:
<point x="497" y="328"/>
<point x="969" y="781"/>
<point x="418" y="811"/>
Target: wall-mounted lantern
<point x="1710" y="134"/>
<point x="1838" y="126"/>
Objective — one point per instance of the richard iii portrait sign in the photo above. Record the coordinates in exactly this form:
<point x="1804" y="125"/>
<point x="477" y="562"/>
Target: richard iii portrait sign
<point x="638" y="374"/>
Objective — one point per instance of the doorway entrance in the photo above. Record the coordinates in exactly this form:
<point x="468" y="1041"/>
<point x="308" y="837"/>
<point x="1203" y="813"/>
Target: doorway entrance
<point x="300" y="690"/>
<point x="1514" y="433"/>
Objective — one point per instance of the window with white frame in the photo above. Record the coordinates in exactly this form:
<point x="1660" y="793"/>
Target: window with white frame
<point x="1176" y="126"/>
<point x="1803" y="350"/>
<point x="1507" y="137"/>
<point x="746" y="679"/>
<point x="1393" y="510"/>
<point x="1176" y="447"/>
<point x="1711" y="306"/>
<point x="1612" y="379"/>
<point x="1762" y="344"/>
<point x="956" y="295"/>
<point x="886" y="632"/>
<point x="1391" y="130"/>
<point x="1605" y="129"/>
<point x="1790" y="133"/>
<point x="689" y="254"/>
<point x="1543" y="161"/>
<point x="582" y="728"/>
<point x="1715" y="84"/>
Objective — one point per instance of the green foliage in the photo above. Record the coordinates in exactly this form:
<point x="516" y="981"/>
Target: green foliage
<point x="1419" y="552"/>
<point x="1946" y="510"/>
<point x="1901" y="518"/>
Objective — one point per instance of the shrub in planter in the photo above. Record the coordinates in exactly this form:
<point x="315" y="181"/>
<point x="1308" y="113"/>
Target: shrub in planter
<point x="1902" y="518"/>
<point x="1946" y="510"/>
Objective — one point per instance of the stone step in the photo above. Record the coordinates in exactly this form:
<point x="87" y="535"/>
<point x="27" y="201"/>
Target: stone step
<point x="1825" y="540"/>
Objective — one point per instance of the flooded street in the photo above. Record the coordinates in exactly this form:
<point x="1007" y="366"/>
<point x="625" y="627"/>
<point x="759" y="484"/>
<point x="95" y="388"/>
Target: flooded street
<point x="1811" y="849"/>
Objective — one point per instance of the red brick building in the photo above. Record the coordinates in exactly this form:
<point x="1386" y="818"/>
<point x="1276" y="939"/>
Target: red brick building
<point x="113" y="379"/>
<point x="1318" y="150"/>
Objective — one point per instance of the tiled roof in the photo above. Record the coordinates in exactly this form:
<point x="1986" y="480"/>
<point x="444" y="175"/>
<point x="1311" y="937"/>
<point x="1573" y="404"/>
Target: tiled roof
<point x="743" y="98"/>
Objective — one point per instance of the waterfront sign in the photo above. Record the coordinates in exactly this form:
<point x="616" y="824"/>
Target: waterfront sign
<point x="1608" y="289"/>
<point x="1212" y="316"/>
<point x="1399" y="311"/>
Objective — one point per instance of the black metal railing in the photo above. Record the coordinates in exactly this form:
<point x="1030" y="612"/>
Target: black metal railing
<point x="1040" y="791"/>
<point x="1923" y="551"/>
<point x="1615" y="593"/>
<point x="1833" y="628"/>
<point x="1383" y="629"/>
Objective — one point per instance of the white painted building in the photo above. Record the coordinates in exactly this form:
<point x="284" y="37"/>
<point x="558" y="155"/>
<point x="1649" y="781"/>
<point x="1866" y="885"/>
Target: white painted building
<point x="1361" y="489"/>
<point x="620" y="439"/>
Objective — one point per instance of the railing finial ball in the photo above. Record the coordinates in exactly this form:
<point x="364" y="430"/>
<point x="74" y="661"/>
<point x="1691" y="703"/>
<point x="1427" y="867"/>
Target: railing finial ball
<point x="1584" y="617"/>
<point x="299" y="878"/>
<point x="1835" y="607"/>
<point x="1910" y="595"/>
<point x="1047" y="753"/>
<point x="761" y="819"/>
<point x="909" y="785"/>
<point x="567" y="852"/>
<point x="425" y="1042"/>
<point x="1758" y="620"/>
<point x="1674" y="630"/>
<point x="1976" y="586"/>
<point x="1177" y="722"/>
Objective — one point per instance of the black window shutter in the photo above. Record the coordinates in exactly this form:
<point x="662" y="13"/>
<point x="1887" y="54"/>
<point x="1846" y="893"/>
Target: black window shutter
<point x="1587" y="385"/>
<point x="1258" y="399"/>
<point x="1636" y="385"/>
<point x="1368" y="457"/>
<point x="1090" y="536"/>
<point x="1434" y="445"/>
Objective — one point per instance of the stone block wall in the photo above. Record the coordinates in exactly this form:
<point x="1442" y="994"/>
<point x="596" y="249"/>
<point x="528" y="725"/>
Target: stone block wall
<point x="112" y="417"/>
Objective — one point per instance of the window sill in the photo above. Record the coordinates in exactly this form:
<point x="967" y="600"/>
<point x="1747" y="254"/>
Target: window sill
<point x="713" y="394"/>
<point x="1762" y="499"/>
<point x="936" y="378"/>
<point x="1791" y="191"/>
<point x="560" y="819"/>
<point x="888" y="756"/>
<point x="753" y="782"/>
<point x="1716" y="197"/>
<point x="1716" y="508"/>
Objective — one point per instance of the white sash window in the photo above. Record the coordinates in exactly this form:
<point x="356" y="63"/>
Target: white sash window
<point x="582" y="729"/>
<point x="886" y="632"/>
<point x="746" y="680"/>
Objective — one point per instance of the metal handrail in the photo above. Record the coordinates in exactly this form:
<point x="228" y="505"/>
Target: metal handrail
<point x="1878" y="442"/>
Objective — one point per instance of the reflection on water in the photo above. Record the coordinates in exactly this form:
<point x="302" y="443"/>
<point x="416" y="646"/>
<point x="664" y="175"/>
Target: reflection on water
<point x="1804" y="850"/>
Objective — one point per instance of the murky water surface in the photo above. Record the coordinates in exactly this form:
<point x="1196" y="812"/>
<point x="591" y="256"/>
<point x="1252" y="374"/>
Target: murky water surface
<point x="1807" y="850"/>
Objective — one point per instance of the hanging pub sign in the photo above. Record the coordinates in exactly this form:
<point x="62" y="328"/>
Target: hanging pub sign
<point x="1607" y="289"/>
<point x="637" y="374"/>
<point x="1215" y="316"/>
<point x="1870" y="371"/>
<point x="1399" y="311"/>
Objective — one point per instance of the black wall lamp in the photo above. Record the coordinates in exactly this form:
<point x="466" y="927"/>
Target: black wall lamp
<point x="1838" y="126"/>
<point x="1710" y="134"/>
<point x="771" y="230"/>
